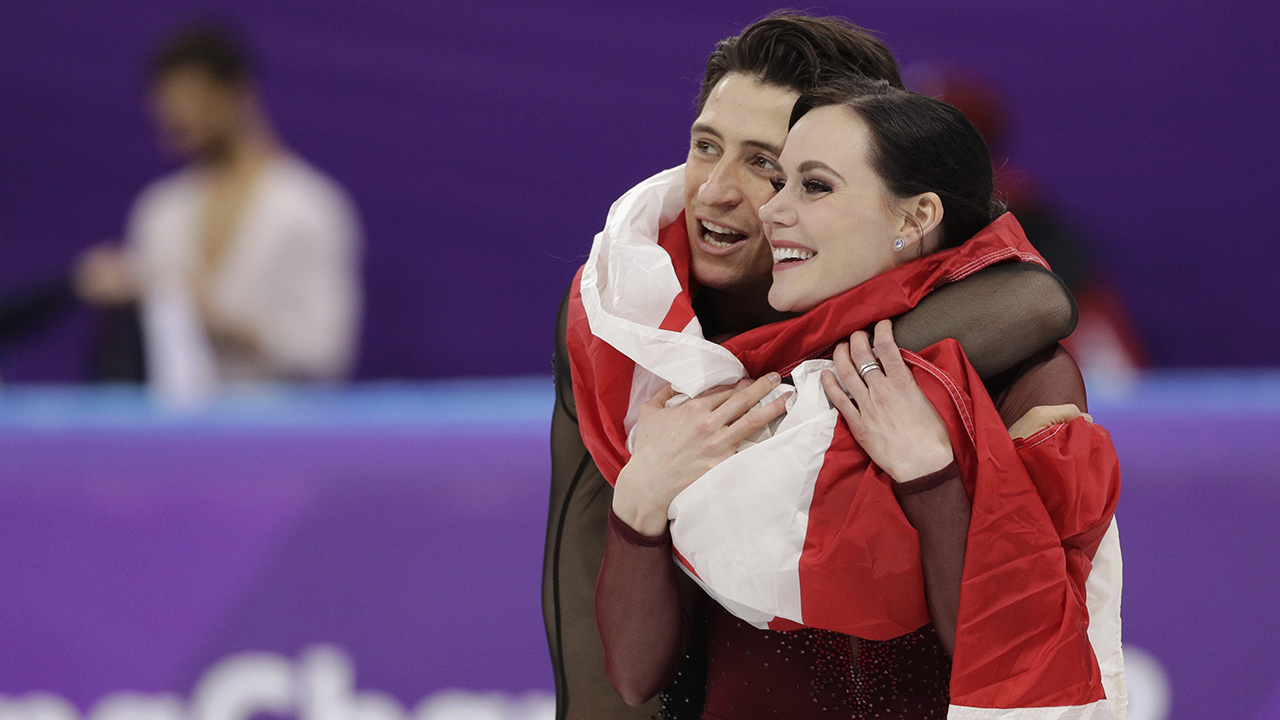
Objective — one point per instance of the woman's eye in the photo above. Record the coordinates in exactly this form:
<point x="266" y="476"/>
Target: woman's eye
<point x="778" y="184"/>
<point x="816" y="186"/>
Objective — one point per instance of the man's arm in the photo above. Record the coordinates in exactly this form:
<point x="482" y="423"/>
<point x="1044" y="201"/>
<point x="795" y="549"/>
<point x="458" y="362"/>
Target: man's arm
<point x="1001" y="316"/>
<point x="577" y="520"/>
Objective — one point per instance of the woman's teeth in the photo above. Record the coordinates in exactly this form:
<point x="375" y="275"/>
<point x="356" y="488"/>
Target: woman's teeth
<point x="783" y="254"/>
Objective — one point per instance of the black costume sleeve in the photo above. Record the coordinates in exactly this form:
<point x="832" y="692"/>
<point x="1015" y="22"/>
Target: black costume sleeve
<point x="577" y="520"/>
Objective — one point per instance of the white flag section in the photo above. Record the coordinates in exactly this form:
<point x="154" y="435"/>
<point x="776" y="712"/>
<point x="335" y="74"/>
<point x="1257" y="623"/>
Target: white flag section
<point x="742" y="527"/>
<point x="1104" y="589"/>
<point x="628" y="285"/>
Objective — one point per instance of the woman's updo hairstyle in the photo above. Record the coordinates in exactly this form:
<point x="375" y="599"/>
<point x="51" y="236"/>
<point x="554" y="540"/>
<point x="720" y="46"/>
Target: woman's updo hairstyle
<point x="919" y="145"/>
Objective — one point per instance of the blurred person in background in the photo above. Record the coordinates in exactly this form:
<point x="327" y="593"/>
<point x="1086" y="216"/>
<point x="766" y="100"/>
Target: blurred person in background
<point x="244" y="264"/>
<point x="1105" y="343"/>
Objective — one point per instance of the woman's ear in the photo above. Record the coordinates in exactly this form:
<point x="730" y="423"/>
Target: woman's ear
<point x="921" y="222"/>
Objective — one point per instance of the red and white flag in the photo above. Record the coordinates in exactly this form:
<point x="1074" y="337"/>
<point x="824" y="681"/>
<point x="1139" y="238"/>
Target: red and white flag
<point x="799" y="528"/>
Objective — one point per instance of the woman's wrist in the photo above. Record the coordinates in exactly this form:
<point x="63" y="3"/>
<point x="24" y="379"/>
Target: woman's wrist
<point x="922" y="463"/>
<point x="640" y="513"/>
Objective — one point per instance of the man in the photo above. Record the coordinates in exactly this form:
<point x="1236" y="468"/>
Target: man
<point x="751" y="83"/>
<point x="245" y="262"/>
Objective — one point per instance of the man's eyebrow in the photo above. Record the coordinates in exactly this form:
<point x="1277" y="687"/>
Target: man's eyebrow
<point x="770" y="148"/>
<point x="757" y="144"/>
<point x="808" y="165"/>
<point x="706" y="129"/>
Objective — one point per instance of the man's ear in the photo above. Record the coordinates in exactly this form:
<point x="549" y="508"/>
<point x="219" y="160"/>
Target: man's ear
<point x="921" y="221"/>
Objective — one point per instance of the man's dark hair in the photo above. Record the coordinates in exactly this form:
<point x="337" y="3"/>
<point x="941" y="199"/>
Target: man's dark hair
<point x="211" y="47"/>
<point x="919" y="145"/>
<point x="792" y="50"/>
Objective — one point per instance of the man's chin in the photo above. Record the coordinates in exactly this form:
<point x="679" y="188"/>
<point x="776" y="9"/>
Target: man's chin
<point x="727" y="274"/>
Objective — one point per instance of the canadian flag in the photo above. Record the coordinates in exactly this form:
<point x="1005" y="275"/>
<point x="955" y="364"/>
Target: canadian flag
<point x="799" y="528"/>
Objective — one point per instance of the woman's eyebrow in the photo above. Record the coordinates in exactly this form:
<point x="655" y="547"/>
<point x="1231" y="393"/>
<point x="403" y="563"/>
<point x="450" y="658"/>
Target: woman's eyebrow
<point x="808" y="165"/>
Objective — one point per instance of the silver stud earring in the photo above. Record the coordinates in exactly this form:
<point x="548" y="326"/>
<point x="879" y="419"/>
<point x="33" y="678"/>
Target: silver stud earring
<point x="899" y="244"/>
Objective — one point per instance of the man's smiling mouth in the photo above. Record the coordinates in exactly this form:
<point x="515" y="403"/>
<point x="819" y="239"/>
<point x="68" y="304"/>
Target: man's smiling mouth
<point x="719" y="236"/>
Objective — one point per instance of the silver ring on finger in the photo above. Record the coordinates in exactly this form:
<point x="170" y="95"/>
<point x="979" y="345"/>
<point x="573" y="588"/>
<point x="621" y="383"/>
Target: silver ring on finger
<point x="868" y="367"/>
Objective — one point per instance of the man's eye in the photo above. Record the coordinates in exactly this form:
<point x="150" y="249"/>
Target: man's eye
<point x="765" y="163"/>
<point x="815" y="186"/>
<point x="704" y="147"/>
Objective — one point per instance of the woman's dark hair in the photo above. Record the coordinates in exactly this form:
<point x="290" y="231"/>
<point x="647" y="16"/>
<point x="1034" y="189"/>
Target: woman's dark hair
<point x="800" y="52"/>
<point x="919" y="145"/>
<point x="208" y="46"/>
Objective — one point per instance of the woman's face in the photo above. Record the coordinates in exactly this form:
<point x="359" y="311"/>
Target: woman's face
<point x="831" y="224"/>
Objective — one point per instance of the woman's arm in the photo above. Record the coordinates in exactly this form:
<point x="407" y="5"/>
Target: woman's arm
<point x="902" y="433"/>
<point x="1001" y="316"/>
<point x="645" y="610"/>
<point x="644" y="604"/>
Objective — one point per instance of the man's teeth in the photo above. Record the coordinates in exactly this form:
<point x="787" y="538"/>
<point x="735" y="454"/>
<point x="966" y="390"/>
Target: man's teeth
<point x="781" y="254"/>
<point x="716" y="243"/>
<point x="719" y="229"/>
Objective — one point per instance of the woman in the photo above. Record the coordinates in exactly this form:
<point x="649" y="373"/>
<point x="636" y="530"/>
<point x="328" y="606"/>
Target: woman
<point x="860" y="158"/>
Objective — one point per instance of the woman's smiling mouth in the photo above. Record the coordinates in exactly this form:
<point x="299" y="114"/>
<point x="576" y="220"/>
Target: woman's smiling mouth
<point x="787" y="256"/>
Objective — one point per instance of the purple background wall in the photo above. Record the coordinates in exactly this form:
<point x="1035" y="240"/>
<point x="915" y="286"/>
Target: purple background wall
<point x="484" y="142"/>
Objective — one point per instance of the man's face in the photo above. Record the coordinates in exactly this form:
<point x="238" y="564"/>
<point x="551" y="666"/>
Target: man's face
<point x="196" y="115"/>
<point x="733" y="155"/>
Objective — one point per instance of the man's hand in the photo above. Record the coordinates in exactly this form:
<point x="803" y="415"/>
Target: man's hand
<point x="1042" y="416"/>
<point x="107" y="274"/>
<point x="675" y="446"/>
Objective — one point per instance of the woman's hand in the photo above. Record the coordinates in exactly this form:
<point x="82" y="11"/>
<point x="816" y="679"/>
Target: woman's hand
<point x="675" y="446"/>
<point x="1042" y="416"/>
<point x="889" y="415"/>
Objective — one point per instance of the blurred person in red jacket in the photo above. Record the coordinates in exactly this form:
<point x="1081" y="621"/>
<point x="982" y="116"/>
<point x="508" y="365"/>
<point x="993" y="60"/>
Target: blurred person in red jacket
<point x="245" y="262"/>
<point x="1105" y="343"/>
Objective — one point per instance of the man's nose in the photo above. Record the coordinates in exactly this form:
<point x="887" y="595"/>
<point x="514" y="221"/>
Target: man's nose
<point x="723" y="186"/>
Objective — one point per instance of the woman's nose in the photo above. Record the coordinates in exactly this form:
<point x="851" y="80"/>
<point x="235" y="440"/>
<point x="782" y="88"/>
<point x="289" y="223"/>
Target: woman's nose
<point x="776" y="211"/>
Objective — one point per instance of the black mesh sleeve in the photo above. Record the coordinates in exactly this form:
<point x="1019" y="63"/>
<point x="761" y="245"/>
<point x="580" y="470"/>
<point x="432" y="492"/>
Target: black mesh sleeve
<point x="577" y="519"/>
<point x="1001" y="316"/>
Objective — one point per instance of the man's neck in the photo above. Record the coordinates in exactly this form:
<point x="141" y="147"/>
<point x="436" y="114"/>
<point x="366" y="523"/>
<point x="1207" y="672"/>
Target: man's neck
<point x="241" y="153"/>
<point x="728" y="313"/>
